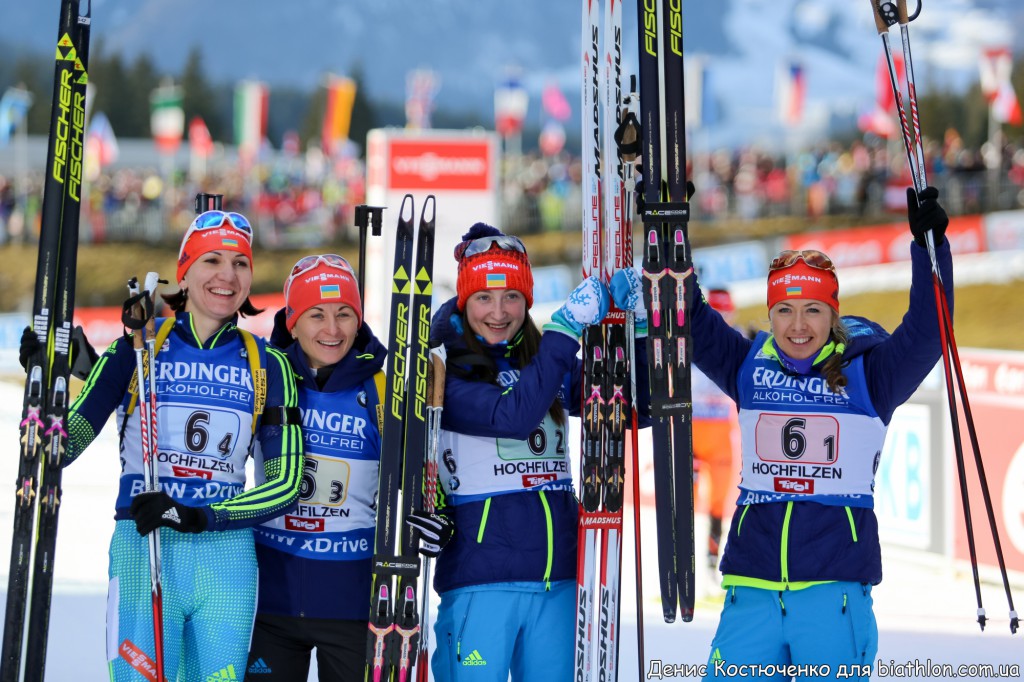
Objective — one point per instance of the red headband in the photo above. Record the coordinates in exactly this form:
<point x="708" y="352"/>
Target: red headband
<point x="800" y="281"/>
<point x="224" y="238"/>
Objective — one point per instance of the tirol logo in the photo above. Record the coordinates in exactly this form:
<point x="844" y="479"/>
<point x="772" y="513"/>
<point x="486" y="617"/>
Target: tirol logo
<point x="303" y="524"/>
<point x="533" y="480"/>
<point x="801" y="486"/>
<point x="440" y="164"/>
<point x="186" y="472"/>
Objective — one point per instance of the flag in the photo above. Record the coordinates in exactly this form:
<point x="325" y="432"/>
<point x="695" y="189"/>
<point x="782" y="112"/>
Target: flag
<point x="14" y="105"/>
<point x="200" y="143"/>
<point x="701" y="107"/>
<point x="885" y="100"/>
<point x="341" y="95"/>
<point x="555" y="104"/>
<point x="252" y="101"/>
<point x="421" y="85"/>
<point x="101" y="137"/>
<point x="995" y="68"/>
<point x="510" y="105"/>
<point x="1006" y="106"/>
<point x="167" y="118"/>
<point x="789" y="93"/>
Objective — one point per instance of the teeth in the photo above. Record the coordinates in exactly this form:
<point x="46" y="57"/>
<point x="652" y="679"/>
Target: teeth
<point x="223" y="292"/>
<point x="329" y="343"/>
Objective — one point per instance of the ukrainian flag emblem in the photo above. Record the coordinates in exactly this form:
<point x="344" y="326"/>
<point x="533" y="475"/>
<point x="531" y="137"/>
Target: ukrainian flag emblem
<point x="229" y="242"/>
<point x="794" y="291"/>
<point x="496" y="281"/>
<point x="330" y="291"/>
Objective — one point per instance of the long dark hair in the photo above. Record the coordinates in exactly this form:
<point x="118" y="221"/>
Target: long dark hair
<point x="177" y="300"/>
<point x="477" y="364"/>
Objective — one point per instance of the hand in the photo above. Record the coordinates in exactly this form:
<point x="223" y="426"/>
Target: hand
<point x="436" y="531"/>
<point x="586" y="305"/>
<point x="156" y="508"/>
<point x="83" y="355"/>
<point x="925" y="213"/>
<point x="29" y="346"/>
<point x="627" y="287"/>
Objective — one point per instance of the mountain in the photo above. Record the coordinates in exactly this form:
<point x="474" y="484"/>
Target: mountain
<point x="472" y="43"/>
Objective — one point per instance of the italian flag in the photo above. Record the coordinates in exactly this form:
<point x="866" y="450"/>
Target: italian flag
<point x="167" y="118"/>
<point x="252" y="99"/>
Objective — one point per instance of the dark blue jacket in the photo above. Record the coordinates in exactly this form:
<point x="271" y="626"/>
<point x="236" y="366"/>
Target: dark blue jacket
<point x="296" y="586"/>
<point x="787" y="542"/>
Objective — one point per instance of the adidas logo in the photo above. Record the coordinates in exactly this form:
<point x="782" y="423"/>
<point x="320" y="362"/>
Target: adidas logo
<point x="172" y="516"/>
<point x="258" y="667"/>
<point x="474" y="659"/>
<point x="227" y="673"/>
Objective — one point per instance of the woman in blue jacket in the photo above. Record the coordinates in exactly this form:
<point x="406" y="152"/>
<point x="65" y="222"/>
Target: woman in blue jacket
<point x="314" y="562"/>
<point x="219" y="393"/>
<point x="507" y="579"/>
<point x="815" y="397"/>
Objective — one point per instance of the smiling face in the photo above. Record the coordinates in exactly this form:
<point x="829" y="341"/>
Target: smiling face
<point x="496" y="315"/>
<point x="218" y="282"/>
<point x="326" y="333"/>
<point x="801" y="326"/>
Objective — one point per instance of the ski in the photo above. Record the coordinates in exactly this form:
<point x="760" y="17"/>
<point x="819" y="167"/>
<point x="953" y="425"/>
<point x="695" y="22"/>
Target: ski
<point x="46" y="400"/>
<point x="607" y="247"/>
<point x="666" y="266"/>
<point x="394" y="627"/>
<point x="407" y="618"/>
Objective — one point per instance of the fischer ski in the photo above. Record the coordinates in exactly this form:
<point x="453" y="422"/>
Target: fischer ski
<point x="43" y="432"/>
<point x="667" y="264"/>
<point x="394" y="627"/>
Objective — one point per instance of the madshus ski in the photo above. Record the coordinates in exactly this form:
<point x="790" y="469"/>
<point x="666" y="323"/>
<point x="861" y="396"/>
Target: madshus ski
<point x="43" y="432"/>
<point x="607" y="246"/>
<point x="667" y="263"/>
<point x="394" y="627"/>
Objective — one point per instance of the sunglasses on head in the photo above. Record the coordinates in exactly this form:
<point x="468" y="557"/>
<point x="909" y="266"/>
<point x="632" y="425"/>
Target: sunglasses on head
<point x="484" y="244"/>
<point x="306" y="264"/>
<point x="211" y="220"/>
<point x="815" y="259"/>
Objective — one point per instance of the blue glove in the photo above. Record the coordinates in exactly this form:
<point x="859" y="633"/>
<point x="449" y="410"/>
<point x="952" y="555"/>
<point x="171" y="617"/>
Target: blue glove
<point x="628" y="293"/>
<point x="587" y="304"/>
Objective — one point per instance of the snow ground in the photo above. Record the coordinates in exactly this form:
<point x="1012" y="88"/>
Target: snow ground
<point x="925" y="608"/>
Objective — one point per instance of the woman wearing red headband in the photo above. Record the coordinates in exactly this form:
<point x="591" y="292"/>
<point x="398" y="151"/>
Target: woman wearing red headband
<point x="315" y="562"/>
<point x="219" y="393"/>
<point x="507" y="579"/>
<point x="815" y="397"/>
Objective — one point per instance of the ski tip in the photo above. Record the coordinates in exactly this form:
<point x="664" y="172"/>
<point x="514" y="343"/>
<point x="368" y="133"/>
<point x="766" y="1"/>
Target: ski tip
<point x="686" y="614"/>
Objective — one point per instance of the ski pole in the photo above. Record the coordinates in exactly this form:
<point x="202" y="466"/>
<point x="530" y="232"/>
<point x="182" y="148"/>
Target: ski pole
<point x="364" y="218"/>
<point x="886" y="14"/>
<point x="435" y="389"/>
<point x="137" y="314"/>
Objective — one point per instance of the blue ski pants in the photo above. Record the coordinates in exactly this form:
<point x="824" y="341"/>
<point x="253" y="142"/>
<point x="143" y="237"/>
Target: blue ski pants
<point x="209" y="602"/>
<point x="485" y="632"/>
<point x="831" y="624"/>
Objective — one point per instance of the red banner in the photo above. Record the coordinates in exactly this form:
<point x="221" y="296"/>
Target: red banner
<point x="885" y="243"/>
<point x="995" y="382"/>
<point x="436" y="164"/>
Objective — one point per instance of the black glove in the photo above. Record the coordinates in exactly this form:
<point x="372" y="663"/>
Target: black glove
<point x="156" y="508"/>
<point x="82" y="353"/>
<point x="29" y="346"/>
<point x="925" y="213"/>
<point x="436" y="531"/>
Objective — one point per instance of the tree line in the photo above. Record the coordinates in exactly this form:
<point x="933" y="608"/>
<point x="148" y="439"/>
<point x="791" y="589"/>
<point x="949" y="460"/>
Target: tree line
<point x="123" y="88"/>
<point x="122" y="92"/>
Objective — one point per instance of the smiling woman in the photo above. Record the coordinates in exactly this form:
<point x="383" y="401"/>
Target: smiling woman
<point x="220" y="393"/>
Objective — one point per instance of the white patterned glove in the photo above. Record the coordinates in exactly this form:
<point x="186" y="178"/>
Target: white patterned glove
<point x="587" y="304"/>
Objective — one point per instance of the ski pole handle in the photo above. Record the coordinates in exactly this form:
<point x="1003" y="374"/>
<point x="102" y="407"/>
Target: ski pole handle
<point x="208" y="202"/>
<point x="885" y="14"/>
